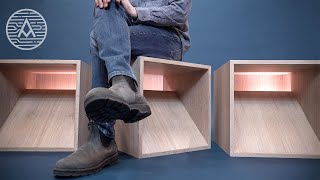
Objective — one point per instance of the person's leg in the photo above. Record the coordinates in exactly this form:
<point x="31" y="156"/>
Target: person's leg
<point x="99" y="71"/>
<point x="100" y="79"/>
<point x="122" y="100"/>
<point x="111" y="34"/>
<point x="158" y="42"/>
<point x="145" y="41"/>
<point x="108" y="59"/>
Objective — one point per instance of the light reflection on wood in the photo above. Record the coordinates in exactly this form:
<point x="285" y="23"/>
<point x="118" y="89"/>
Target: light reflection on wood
<point x="50" y="80"/>
<point x="262" y="81"/>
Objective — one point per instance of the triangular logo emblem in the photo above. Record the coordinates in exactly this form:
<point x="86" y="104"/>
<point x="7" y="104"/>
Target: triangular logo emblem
<point x="26" y="26"/>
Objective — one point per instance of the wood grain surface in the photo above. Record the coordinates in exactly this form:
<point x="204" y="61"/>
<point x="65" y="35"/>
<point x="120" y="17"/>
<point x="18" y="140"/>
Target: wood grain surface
<point x="40" y="120"/>
<point x="222" y="105"/>
<point x="43" y="104"/>
<point x="272" y="123"/>
<point x="282" y="121"/>
<point x="180" y="100"/>
<point x="170" y="128"/>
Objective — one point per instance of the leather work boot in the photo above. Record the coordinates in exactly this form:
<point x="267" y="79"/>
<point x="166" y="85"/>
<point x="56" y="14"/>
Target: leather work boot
<point x="98" y="152"/>
<point x="121" y="101"/>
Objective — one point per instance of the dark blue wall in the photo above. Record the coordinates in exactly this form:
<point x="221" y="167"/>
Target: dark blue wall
<point x="220" y="30"/>
<point x="68" y="29"/>
<point x="254" y="29"/>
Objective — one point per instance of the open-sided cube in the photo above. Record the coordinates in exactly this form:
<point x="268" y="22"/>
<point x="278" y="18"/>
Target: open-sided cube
<point x="268" y="108"/>
<point x="179" y="95"/>
<point x="42" y="104"/>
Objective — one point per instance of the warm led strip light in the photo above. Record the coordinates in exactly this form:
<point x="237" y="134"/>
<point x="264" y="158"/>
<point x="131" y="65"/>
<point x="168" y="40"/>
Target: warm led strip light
<point x="47" y="72"/>
<point x="51" y="80"/>
<point x="262" y="81"/>
<point x="262" y="73"/>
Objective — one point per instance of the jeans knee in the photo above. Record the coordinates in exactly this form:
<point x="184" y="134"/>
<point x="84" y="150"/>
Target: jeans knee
<point x="92" y="39"/>
<point x="93" y="44"/>
<point x="113" y="11"/>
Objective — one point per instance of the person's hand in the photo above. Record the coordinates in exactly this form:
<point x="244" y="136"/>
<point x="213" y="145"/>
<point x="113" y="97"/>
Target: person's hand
<point x="128" y="7"/>
<point x="102" y="3"/>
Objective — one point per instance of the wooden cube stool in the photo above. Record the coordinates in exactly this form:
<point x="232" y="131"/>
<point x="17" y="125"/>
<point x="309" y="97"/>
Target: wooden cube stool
<point x="42" y="104"/>
<point x="268" y="108"/>
<point x="179" y="94"/>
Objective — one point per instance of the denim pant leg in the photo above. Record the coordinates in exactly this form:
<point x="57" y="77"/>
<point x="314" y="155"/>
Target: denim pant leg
<point x="144" y="41"/>
<point x="112" y="37"/>
<point x="110" y="50"/>
<point x="100" y="79"/>
<point x="99" y="71"/>
<point x="158" y="42"/>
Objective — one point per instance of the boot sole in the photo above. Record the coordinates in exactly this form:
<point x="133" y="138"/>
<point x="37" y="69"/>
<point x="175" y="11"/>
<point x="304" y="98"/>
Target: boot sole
<point x="105" y="108"/>
<point x="87" y="171"/>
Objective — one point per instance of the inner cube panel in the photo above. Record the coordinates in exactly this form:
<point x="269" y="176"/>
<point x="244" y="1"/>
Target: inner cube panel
<point x="179" y="96"/>
<point x="272" y="123"/>
<point x="40" y="120"/>
<point x="274" y="110"/>
<point x="38" y="112"/>
<point x="170" y="127"/>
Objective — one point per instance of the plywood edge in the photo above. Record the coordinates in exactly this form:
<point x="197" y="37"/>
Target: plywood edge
<point x="38" y="149"/>
<point x="272" y="155"/>
<point x="83" y="86"/>
<point x="216" y="80"/>
<point x="175" y="151"/>
<point x="210" y="106"/>
<point x="77" y="107"/>
<point x="138" y="68"/>
<point x="275" y="61"/>
<point x="178" y="63"/>
<point x="139" y="125"/>
<point x="222" y="113"/>
<point x="38" y="61"/>
<point x="231" y="101"/>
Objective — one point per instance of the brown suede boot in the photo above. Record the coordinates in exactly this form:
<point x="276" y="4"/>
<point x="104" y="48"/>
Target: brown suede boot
<point x="98" y="152"/>
<point x="121" y="101"/>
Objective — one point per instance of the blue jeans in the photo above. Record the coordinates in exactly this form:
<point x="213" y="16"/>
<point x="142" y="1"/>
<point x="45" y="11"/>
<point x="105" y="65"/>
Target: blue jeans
<point x="115" y="40"/>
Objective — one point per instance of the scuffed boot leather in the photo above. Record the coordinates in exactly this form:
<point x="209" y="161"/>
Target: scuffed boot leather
<point x="91" y="157"/>
<point x="120" y="101"/>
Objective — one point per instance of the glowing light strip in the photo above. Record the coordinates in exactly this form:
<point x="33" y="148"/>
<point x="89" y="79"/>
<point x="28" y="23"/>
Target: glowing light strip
<point x="263" y="81"/>
<point x="53" y="72"/>
<point x="262" y="73"/>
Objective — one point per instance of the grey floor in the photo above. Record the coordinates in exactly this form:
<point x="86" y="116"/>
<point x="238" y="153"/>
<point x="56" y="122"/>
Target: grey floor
<point x="209" y="164"/>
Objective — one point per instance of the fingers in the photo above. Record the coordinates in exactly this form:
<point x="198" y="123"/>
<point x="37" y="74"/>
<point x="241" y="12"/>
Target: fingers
<point x="106" y="3"/>
<point x="99" y="3"/>
<point x="118" y="1"/>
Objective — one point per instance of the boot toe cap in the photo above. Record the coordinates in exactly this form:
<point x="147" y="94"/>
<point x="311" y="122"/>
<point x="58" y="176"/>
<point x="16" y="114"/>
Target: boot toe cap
<point x="68" y="164"/>
<point x="63" y="164"/>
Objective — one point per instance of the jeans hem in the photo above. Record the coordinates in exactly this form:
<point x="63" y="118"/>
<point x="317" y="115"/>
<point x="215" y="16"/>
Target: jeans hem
<point x="116" y="73"/>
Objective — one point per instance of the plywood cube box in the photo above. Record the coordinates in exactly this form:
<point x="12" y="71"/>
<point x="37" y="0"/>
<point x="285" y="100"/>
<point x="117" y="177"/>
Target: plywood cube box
<point x="42" y="104"/>
<point x="268" y="108"/>
<point x="179" y="95"/>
